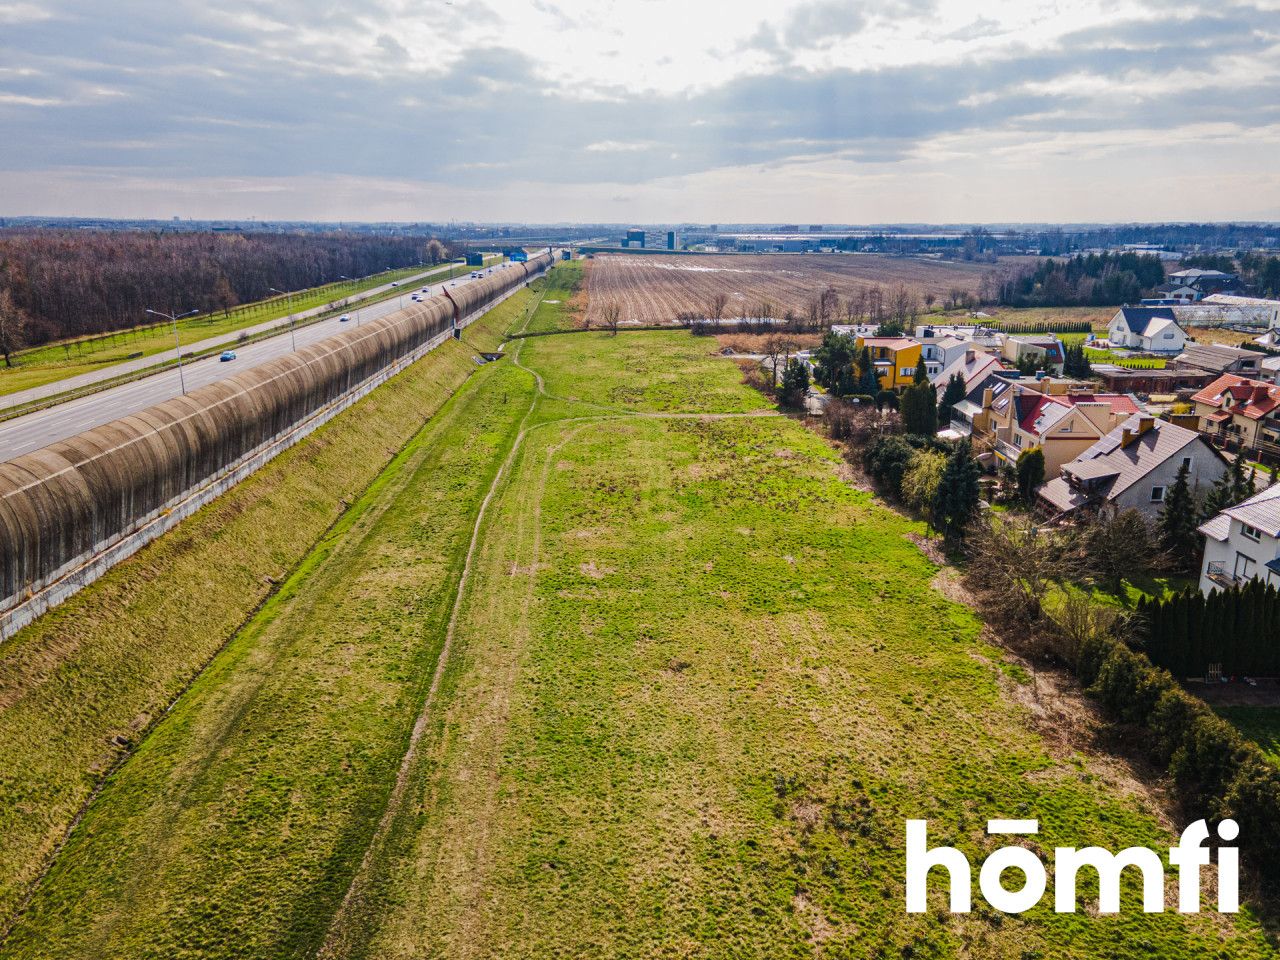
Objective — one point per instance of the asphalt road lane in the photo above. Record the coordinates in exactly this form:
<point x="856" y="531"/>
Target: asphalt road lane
<point x="43" y="427"/>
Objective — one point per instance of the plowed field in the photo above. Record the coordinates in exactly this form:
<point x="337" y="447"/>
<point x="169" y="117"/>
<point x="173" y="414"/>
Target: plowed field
<point x="655" y="289"/>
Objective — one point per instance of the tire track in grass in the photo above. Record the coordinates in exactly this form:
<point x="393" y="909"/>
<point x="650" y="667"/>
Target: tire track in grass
<point x="343" y="936"/>
<point x="337" y="941"/>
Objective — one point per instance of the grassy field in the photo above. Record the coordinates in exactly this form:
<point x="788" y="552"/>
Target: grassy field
<point x="58" y="361"/>
<point x="108" y="662"/>
<point x="696" y="684"/>
<point x="560" y="307"/>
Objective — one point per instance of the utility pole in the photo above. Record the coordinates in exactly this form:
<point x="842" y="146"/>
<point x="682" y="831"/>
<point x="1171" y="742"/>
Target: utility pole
<point x="177" y="341"/>
<point x="293" y="337"/>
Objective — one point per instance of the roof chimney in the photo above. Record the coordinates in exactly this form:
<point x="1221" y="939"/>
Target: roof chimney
<point x="969" y="355"/>
<point x="1260" y="393"/>
<point x="988" y="395"/>
<point x="1145" y="424"/>
<point x="1126" y="438"/>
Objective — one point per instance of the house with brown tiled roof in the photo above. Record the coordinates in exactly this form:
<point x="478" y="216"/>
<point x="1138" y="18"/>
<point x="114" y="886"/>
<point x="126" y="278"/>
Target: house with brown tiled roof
<point x="1239" y="410"/>
<point x="1133" y="466"/>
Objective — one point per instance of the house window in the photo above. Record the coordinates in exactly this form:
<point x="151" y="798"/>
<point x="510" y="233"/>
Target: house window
<point x="1017" y="440"/>
<point x="905" y="371"/>
<point x="1186" y="462"/>
<point x="1244" y="567"/>
<point x="1253" y="533"/>
<point x="1157" y="494"/>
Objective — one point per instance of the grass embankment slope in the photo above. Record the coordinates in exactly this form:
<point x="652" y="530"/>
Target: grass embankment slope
<point x="109" y="661"/>
<point x="697" y="684"/>
<point x="59" y="361"/>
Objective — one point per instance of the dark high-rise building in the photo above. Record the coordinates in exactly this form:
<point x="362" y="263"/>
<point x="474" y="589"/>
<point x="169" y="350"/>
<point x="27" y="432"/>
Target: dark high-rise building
<point x="635" y="236"/>
<point x="671" y="239"/>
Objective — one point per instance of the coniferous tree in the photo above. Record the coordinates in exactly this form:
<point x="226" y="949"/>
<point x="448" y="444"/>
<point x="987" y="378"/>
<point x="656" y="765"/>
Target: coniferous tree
<point x="956" y="501"/>
<point x="1230" y="489"/>
<point x="868" y="379"/>
<point x="1030" y="471"/>
<point x="1176" y="525"/>
<point x="920" y="404"/>
<point x="795" y="383"/>
<point x="952" y="395"/>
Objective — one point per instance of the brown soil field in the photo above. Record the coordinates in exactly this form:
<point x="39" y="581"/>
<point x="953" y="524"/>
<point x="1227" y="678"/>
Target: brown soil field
<point x="655" y="289"/>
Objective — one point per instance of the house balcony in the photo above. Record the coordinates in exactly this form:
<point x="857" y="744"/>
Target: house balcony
<point x="1217" y="572"/>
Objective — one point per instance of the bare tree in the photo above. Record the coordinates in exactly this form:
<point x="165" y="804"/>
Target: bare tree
<point x="828" y="306"/>
<point x="930" y="299"/>
<point x="875" y="304"/>
<point x="715" y="308"/>
<point x="609" y="315"/>
<point x="13" y="327"/>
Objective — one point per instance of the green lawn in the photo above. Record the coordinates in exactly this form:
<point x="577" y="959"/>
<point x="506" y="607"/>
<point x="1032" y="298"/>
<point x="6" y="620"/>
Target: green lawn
<point x="58" y="361"/>
<point x="697" y="683"/>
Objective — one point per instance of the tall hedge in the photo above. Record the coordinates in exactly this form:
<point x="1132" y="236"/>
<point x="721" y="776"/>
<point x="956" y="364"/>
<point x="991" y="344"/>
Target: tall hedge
<point x="1238" y="628"/>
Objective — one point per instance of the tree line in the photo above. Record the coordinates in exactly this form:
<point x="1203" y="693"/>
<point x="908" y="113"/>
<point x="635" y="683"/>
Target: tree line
<point x="1092" y="280"/>
<point x="56" y="284"/>
<point x="1237" y="628"/>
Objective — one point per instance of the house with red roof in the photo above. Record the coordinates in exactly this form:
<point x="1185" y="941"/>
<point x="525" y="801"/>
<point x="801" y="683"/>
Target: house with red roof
<point x="1062" y="424"/>
<point x="1240" y="411"/>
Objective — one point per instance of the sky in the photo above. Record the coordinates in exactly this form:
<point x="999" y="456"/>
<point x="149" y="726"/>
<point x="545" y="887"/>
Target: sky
<point x="645" y="111"/>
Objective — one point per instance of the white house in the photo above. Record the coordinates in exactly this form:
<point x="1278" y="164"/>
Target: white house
<point x="1147" y="329"/>
<point x="939" y="353"/>
<point x="1243" y="543"/>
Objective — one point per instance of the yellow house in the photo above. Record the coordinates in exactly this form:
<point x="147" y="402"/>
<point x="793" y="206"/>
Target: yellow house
<point x="895" y="359"/>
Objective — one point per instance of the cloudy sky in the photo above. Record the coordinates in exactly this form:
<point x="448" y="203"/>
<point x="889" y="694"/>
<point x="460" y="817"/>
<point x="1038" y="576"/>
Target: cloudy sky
<point x="642" y="110"/>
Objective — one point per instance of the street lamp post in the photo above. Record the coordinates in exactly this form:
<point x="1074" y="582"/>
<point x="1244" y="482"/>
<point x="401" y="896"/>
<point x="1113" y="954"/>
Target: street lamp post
<point x="177" y="341"/>
<point x="293" y="337"/>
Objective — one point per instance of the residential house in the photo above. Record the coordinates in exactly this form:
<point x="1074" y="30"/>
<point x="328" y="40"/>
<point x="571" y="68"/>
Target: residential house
<point x="1062" y="424"/>
<point x="1147" y="329"/>
<point x="1270" y="369"/>
<point x="972" y="366"/>
<point x="1205" y="283"/>
<point x="1177" y="292"/>
<point x="1039" y="348"/>
<point x="1243" y="543"/>
<point x="1132" y="467"/>
<point x="1240" y="411"/>
<point x="939" y="353"/>
<point x="895" y="359"/>
<point x="1219" y="359"/>
<point x="972" y="415"/>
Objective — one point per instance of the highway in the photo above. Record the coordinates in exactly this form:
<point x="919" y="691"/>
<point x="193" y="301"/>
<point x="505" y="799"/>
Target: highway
<point x="87" y="380"/>
<point x="43" y="427"/>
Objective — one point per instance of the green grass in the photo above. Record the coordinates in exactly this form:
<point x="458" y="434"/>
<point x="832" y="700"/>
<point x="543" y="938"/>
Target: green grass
<point x="698" y="684"/>
<point x="559" y="286"/>
<point x="1259" y="724"/>
<point x="58" y="361"/>
<point x="108" y="662"/>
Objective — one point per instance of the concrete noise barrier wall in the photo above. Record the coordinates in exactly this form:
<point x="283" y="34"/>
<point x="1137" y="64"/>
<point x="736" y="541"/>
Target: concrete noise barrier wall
<point x="67" y="506"/>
